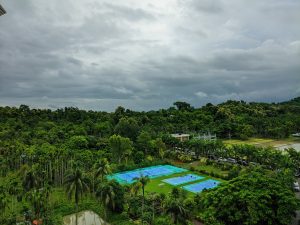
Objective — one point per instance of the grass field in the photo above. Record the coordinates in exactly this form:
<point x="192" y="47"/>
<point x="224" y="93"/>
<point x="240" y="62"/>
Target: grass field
<point x="202" y="166"/>
<point x="264" y="142"/>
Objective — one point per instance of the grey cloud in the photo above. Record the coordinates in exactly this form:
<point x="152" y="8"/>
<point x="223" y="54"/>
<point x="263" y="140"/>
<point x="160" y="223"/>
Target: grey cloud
<point x="207" y="6"/>
<point x="130" y="13"/>
<point x="98" y="55"/>
<point x="211" y="6"/>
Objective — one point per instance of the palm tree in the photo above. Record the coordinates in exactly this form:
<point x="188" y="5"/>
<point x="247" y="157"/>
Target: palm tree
<point x="102" y="168"/>
<point x="143" y="181"/>
<point x="77" y="185"/>
<point x="106" y="194"/>
<point x="176" y="209"/>
<point x="134" y="189"/>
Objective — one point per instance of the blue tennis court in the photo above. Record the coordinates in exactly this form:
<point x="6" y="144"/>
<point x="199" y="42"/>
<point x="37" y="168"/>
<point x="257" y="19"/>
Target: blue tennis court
<point x="198" y="187"/>
<point x="183" y="179"/>
<point x="128" y="177"/>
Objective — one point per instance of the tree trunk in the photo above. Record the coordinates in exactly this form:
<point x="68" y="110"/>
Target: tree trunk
<point x="76" y="217"/>
<point x="153" y="211"/>
<point x="93" y="181"/>
<point x="143" y="204"/>
<point x="105" y="214"/>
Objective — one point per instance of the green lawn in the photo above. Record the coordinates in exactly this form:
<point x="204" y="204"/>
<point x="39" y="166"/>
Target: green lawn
<point x="253" y="141"/>
<point x="158" y="186"/>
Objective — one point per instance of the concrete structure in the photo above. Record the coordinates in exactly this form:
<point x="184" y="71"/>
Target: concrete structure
<point x="181" y="137"/>
<point x="2" y="11"/>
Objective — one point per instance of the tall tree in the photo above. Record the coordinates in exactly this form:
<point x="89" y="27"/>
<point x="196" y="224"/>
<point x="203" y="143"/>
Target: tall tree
<point x="30" y="180"/>
<point x="143" y="141"/>
<point x="119" y="146"/>
<point x="128" y="127"/>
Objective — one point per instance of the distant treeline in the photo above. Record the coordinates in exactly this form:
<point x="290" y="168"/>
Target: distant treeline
<point x="235" y="119"/>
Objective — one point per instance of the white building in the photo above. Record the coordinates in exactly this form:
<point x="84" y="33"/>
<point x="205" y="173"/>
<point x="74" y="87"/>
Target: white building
<point x="181" y="137"/>
<point x="209" y="137"/>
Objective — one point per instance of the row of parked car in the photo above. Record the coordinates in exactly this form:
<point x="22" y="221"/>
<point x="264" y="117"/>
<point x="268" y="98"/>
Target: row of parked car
<point x="296" y="186"/>
<point x="233" y="161"/>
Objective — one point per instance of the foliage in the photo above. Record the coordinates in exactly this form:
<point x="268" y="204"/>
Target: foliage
<point x="253" y="198"/>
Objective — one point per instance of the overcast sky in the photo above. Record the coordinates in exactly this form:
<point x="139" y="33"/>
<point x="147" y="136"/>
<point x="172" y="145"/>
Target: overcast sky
<point x="147" y="54"/>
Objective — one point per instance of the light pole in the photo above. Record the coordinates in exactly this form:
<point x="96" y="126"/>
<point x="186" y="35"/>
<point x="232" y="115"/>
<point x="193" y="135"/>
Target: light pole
<point x="2" y="11"/>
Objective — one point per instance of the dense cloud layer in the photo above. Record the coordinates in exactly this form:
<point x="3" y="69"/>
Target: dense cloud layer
<point x="148" y="54"/>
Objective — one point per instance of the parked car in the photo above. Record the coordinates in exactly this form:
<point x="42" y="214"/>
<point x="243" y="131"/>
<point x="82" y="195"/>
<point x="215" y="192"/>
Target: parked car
<point x="253" y="163"/>
<point x="192" y="153"/>
<point x="212" y="157"/>
<point x="297" y="173"/>
<point x="231" y="160"/>
<point x="242" y="162"/>
<point x="296" y="186"/>
<point x="222" y="159"/>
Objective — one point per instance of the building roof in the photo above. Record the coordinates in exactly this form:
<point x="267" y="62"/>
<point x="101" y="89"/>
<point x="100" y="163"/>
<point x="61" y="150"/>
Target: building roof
<point x="2" y="11"/>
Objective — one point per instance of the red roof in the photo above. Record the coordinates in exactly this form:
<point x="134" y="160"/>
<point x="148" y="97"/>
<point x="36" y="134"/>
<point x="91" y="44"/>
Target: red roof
<point x="37" y="222"/>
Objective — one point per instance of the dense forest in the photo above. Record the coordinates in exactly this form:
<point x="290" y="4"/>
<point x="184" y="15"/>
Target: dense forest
<point x="44" y="153"/>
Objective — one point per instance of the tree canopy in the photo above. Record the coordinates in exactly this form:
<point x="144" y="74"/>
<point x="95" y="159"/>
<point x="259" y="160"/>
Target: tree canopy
<point x="253" y="198"/>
